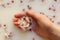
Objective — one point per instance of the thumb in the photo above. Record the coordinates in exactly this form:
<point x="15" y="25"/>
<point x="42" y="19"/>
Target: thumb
<point x="34" y="15"/>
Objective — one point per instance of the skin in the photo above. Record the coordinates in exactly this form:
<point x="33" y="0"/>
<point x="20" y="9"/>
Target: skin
<point x="44" y="27"/>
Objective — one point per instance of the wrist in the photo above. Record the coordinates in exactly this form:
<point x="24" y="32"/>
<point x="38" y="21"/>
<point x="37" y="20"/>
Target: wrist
<point x="54" y="33"/>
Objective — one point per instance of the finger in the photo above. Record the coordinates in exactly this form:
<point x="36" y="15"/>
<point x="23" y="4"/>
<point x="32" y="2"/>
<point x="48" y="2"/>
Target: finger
<point x="19" y="15"/>
<point x="15" y="19"/>
<point x="16" y="23"/>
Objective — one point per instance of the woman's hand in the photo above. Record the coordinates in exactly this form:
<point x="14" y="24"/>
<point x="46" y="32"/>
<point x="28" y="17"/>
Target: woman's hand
<point x="44" y="27"/>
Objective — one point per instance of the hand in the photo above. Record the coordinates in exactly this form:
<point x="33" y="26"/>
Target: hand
<point x="44" y="27"/>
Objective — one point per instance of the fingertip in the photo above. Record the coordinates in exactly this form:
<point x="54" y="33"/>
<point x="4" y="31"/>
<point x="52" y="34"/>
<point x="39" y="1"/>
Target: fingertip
<point x="15" y="19"/>
<point x="16" y="23"/>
